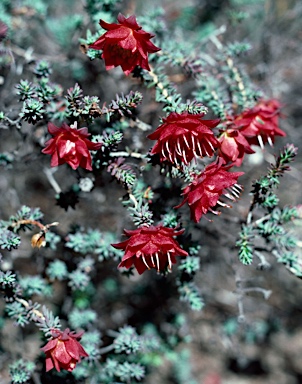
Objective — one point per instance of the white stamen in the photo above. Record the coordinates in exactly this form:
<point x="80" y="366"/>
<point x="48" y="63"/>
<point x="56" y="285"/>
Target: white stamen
<point x="235" y="192"/>
<point x="270" y="141"/>
<point x="178" y="148"/>
<point x="210" y="144"/>
<point x="184" y="156"/>
<point x="205" y="150"/>
<point x="223" y="204"/>
<point x="193" y="143"/>
<point x="238" y="187"/>
<point x="260" y="141"/>
<point x="167" y="146"/>
<point x="200" y="150"/>
<point x="186" y="141"/>
<point x="157" y="261"/>
<point x="144" y="260"/>
<point x="152" y="260"/>
<point x="229" y="196"/>
<point x="169" y="261"/>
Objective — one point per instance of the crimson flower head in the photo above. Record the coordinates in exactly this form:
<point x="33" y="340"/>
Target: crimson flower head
<point x="150" y="247"/>
<point x="125" y="44"/>
<point x="182" y="136"/>
<point x="70" y="145"/>
<point x="63" y="350"/>
<point x="261" y="124"/>
<point x="203" y="193"/>
<point x="233" y="146"/>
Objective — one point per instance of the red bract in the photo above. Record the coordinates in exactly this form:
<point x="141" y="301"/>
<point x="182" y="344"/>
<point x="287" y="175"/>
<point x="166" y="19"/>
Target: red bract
<point x="260" y="124"/>
<point x="233" y="146"/>
<point x="70" y="145"/>
<point x="203" y="193"/>
<point x="63" y="351"/>
<point x="183" y="136"/>
<point x="150" y="247"/>
<point x="125" y="44"/>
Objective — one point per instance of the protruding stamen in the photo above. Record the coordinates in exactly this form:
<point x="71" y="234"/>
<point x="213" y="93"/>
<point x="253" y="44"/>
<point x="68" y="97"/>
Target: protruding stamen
<point x="167" y="146"/>
<point x="215" y="212"/>
<point x="163" y="153"/>
<point x="184" y="156"/>
<point x="178" y="148"/>
<point x="170" y="157"/>
<point x="238" y="186"/>
<point x="144" y="260"/>
<point x="205" y="150"/>
<point x="230" y="196"/>
<point x="260" y="141"/>
<point x="152" y="261"/>
<point x="235" y="192"/>
<point x="223" y="204"/>
<point x="157" y="262"/>
<point x="199" y="147"/>
<point x="211" y="145"/>
<point x="270" y="141"/>
<point x="193" y="143"/>
<point x="186" y="141"/>
<point x="169" y="261"/>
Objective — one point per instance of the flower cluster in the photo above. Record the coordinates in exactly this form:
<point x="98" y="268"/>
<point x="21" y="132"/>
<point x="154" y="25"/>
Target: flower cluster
<point x="233" y="146"/>
<point x="183" y="136"/>
<point x="256" y="126"/>
<point x="203" y="193"/>
<point x="260" y="124"/>
<point x="63" y="350"/>
<point x="125" y="44"/>
<point x="70" y="145"/>
<point x="150" y="247"/>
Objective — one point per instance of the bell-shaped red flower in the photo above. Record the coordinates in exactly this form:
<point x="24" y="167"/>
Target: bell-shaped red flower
<point x="233" y="146"/>
<point x="125" y="44"/>
<point x="70" y="145"/>
<point x="203" y="193"/>
<point x="150" y="247"/>
<point x="63" y="350"/>
<point x="260" y="124"/>
<point x="182" y="136"/>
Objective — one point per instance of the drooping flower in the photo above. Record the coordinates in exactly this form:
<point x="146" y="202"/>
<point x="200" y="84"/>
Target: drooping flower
<point x="70" y="145"/>
<point x="261" y="124"/>
<point x="182" y="136"/>
<point x="63" y="350"/>
<point x="203" y="193"/>
<point x="125" y="44"/>
<point x="150" y="247"/>
<point x="233" y="146"/>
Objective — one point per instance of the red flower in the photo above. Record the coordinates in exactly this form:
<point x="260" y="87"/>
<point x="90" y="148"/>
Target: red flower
<point x="150" y="247"/>
<point x="125" y="44"/>
<point x="70" y="145"/>
<point x="233" y="146"/>
<point x="63" y="351"/>
<point x="203" y="193"/>
<point x="183" y="136"/>
<point x="260" y="124"/>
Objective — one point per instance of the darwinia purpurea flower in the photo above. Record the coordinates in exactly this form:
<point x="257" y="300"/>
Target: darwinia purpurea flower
<point x="260" y="124"/>
<point x="70" y="145"/>
<point x="183" y="136"/>
<point x="150" y="247"/>
<point x="204" y="192"/>
<point x="125" y="44"/>
<point x="63" y="350"/>
<point x="233" y="146"/>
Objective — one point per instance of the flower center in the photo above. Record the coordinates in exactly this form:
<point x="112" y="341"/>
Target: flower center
<point x="70" y="147"/>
